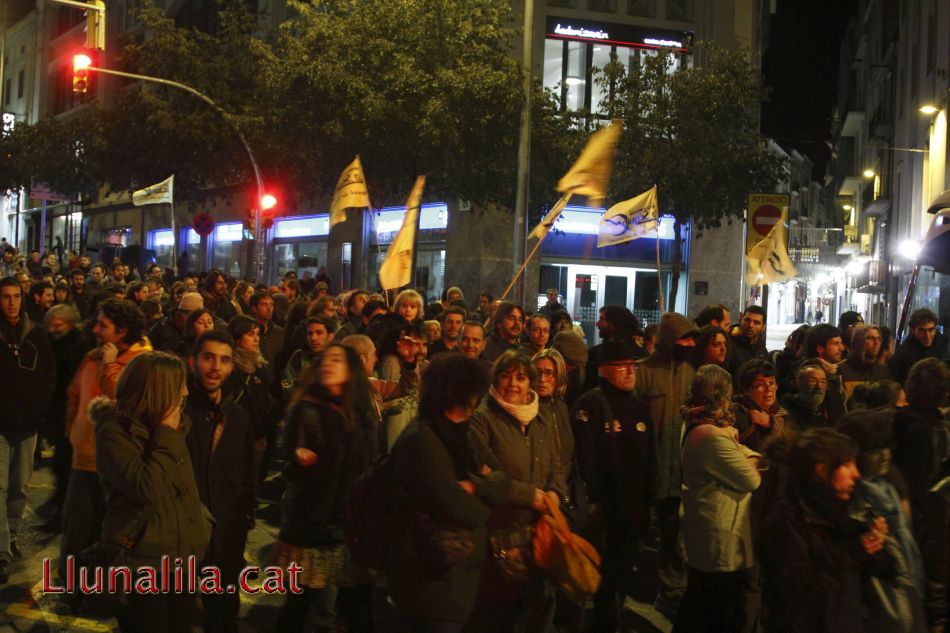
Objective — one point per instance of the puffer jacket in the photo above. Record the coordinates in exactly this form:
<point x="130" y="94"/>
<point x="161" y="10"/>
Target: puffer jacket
<point x="663" y="382"/>
<point x="148" y="470"/>
<point x="93" y="379"/>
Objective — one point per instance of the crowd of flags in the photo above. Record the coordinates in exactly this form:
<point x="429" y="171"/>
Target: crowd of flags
<point x="766" y="262"/>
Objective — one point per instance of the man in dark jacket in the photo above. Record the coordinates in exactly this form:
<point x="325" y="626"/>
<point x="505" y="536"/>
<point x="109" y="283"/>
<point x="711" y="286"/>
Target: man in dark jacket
<point x="216" y="296"/>
<point x="29" y="375"/>
<point x="167" y="334"/>
<point x="861" y="365"/>
<point x="749" y="337"/>
<point x="806" y="407"/>
<point x="615" y="323"/>
<point x="509" y="323"/>
<point x="922" y="344"/>
<point x="221" y="444"/>
<point x="272" y="335"/>
<point x="616" y="457"/>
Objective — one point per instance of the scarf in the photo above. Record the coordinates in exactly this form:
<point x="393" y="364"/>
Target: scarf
<point x="705" y="415"/>
<point x="248" y="362"/>
<point x="524" y="413"/>
<point x="776" y="413"/>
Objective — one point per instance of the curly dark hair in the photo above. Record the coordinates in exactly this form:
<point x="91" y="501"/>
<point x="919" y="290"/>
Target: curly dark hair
<point x="451" y="380"/>
<point x="125" y="315"/>
<point x="927" y="384"/>
<point x="750" y="370"/>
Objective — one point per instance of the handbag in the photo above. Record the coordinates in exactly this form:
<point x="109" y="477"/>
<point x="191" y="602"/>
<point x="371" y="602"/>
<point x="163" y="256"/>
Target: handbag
<point x="104" y="554"/>
<point x="511" y="554"/>
<point x="564" y="557"/>
<point x="443" y="546"/>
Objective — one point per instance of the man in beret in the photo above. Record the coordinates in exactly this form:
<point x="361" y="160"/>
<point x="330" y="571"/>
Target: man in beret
<point x="616" y="457"/>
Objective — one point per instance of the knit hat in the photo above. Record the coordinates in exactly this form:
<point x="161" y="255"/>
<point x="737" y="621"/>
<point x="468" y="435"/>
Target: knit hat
<point x="571" y="347"/>
<point x="191" y="301"/>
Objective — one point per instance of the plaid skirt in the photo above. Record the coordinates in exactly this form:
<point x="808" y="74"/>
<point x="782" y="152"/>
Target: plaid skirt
<point x="329" y="566"/>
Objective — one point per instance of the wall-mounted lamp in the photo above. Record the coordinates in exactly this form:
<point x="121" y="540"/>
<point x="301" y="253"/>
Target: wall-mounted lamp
<point x="928" y="109"/>
<point x="869" y="173"/>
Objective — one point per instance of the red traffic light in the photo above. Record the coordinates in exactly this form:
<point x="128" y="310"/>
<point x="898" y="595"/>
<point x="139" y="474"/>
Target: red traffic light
<point x="268" y="201"/>
<point x="81" y="64"/>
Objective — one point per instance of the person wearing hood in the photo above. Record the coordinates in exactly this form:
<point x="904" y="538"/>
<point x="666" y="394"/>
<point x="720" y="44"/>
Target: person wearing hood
<point x="616" y="323"/>
<point x="616" y="457"/>
<point x="861" y="366"/>
<point x="119" y="329"/>
<point x="148" y="480"/>
<point x="805" y="407"/>
<point x="748" y="338"/>
<point x="663" y="381"/>
<point x="525" y="446"/>
<point x="846" y="323"/>
<point x="221" y="445"/>
<point x="575" y="354"/>
<point x="925" y="343"/>
<point x="249" y="386"/>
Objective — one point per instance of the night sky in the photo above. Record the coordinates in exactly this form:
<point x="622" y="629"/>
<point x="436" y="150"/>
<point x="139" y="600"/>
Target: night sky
<point x="801" y="70"/>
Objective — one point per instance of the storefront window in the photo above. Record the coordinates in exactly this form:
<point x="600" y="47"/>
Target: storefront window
<point x="162" y="243"/>
<point x="299" y="257"/>
<point x="192" y="242"/>
<point x="228" y="248"/>
<point x="430" y="269"/>
<point x="117" y="236"/>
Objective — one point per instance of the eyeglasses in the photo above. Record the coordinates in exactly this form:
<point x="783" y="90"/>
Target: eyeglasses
<point x="547" y="373"/>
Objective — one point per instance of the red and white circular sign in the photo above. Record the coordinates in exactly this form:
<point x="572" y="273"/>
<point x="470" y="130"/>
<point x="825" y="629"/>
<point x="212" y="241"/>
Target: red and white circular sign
<point x="765" y="218"/>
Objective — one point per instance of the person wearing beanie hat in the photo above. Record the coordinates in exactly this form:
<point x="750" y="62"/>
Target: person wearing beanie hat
<point x="167" y="334"/>
<point x="663" y="382"/>
<point x="575" y="355"/>
<point x="616" y="457"/>
<point x="846" y="323"/>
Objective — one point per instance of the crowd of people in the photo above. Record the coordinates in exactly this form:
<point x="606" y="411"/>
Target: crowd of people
<point x="803" y="490"/>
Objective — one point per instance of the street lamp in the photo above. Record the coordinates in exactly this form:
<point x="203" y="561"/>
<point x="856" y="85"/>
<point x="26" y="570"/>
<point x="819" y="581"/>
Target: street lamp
<point x="909" y="249"/>
<point x="928" y="109"/>
<point x="869" y="173"/>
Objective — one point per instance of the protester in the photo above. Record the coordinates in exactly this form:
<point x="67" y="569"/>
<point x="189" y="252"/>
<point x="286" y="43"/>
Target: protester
<point x="508" y="326"/>
<point x="924" y="342"/>
<point x="861" y="366"/>
<point x="748" y="338"/>
<point x="148" y="481"/>
<point x="756" y="408"/>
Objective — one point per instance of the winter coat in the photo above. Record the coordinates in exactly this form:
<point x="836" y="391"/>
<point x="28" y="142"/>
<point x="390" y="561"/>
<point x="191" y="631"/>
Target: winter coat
<point x="743" y="350"/>
<point x="495" y="346"/>
<point x="909" y="352"/>
<point x="68" y="352"/>
<point x="312" y="508"/>
<point x="812" y="558"/>
<point x="753" y="435"/>
<point x="166" y="337"/>
<point x="148" y="470"/>
<point x="93" y="379"/>
<point x="226" y="473"/>
<point x="530" y="459"/>
<point x="252" y="392"/>
<point x="718" y="479"/>
<point x="855" y="372"/>
<point x="616" y="454"/>
<point x="428" y="461"/>
<point x="922" y="452"/>
<point x="555" y="410"/>
<point x="272" y="342"/>
<point x="662" y="383"/>
<point x="29" y="376"/>
<point x="801" y="415"/>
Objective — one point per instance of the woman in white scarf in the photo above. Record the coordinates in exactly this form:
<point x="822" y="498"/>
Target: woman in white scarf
<point x="525" y="446"/>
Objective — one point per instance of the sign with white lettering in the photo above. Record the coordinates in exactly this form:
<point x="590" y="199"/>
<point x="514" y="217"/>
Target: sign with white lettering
<point x="629" y="35"/>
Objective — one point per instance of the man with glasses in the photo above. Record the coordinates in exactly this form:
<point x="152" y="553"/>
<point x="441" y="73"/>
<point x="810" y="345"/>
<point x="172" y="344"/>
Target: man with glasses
<point x="861" y="365"/>
<point x="925" y="342"/>
<point x="616" y="457"/>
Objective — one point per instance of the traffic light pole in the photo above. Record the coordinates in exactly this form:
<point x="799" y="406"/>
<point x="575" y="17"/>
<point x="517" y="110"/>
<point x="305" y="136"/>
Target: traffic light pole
<point x="258" y="237"/>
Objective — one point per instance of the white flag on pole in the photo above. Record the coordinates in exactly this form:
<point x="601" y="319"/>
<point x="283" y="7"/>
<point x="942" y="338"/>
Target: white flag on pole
<point x="162" y="193"/>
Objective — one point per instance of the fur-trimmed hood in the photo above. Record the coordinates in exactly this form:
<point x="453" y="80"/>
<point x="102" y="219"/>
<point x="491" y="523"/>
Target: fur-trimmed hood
<point x="102" y="410"/>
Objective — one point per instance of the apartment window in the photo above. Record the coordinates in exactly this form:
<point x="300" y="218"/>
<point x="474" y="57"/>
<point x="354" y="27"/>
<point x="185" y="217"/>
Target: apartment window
<point x="20" y="81"/>
<point x="607" y="6"/>
<point x="642" y="8"/>
<point x="563" y="4"/>
<point x="679" y="10"/>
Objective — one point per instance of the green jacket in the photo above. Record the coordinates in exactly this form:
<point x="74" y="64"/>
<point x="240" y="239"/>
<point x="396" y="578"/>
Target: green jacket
<point x="148" y="470"/>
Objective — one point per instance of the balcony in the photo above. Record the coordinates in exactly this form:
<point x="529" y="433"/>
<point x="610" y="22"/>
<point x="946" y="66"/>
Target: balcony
<point x="872" y="277"/>
<point x="850" y="245"/>
<point x="814" y="246"/>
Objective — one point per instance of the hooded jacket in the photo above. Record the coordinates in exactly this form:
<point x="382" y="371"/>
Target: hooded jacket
<point x="148" y="470"/>
<point x="93" y="379"/>
<point x="855" y="370"/>
<point x="29" y="376"/>
<point x="663" y="382"/>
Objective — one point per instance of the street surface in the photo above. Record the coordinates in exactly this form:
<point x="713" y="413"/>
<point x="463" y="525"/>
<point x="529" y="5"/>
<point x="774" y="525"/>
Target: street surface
<point x="25" y="608"/>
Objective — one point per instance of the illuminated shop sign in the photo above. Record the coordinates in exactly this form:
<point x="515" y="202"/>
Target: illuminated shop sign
<point x="619" y="34"/>
<point x="585" y="221"/>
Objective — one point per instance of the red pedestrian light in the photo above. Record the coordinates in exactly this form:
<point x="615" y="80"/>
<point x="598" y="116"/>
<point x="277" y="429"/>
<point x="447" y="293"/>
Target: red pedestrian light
<point x="268" y="201"/>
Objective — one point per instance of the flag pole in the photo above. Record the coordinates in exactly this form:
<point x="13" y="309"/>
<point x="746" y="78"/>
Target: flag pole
<point x="659" y="275"/>
<point x="518" y="274"/>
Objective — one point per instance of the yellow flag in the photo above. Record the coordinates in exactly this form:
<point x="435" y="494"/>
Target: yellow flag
<point x="768" y="261"/>
<point x="628" y="220"/>
<point x="541" y="230"/>
<point x="350" y="192"/>
<point x="590" y="174"/>
<point x="396" y="270"/>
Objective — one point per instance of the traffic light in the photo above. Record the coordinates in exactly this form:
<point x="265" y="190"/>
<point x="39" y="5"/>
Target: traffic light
<point x="96" y="25"/>
<point x="268" y="204"/>
<point x="81" y="64"/>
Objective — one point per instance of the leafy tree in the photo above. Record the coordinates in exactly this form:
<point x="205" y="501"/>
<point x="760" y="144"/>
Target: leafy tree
<point x="694" y="133"/>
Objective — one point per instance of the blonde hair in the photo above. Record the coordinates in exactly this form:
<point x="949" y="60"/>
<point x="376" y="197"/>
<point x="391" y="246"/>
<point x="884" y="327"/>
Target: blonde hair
<point x="150" y="386"/>
<point x="409" y="295"/>
<point x="560" y="368"/>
